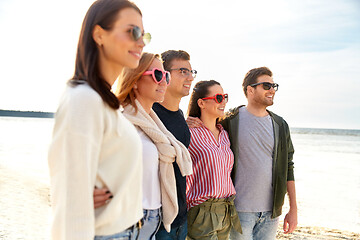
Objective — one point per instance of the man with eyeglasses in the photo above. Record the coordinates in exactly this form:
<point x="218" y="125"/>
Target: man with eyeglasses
<point x="169" y="112"/>
<point x="263" y="168"/>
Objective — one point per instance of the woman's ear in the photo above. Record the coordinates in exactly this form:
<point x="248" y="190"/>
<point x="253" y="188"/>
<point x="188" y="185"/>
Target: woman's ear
<point x="200" y="103"/>
<point x="97" y="35"/>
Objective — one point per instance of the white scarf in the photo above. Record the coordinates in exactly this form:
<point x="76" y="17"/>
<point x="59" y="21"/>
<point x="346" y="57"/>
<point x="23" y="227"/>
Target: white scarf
<point x="170" y="149"/>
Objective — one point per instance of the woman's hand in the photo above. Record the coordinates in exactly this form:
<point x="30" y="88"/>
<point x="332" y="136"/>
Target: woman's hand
<point x="101" y="197"/>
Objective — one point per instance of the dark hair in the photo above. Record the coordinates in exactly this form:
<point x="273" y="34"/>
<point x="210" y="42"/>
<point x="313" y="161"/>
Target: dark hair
<point x="252" y="75"/>
<point x="170" y="55"/>
<point x="201" y="90"/>
<point x="103" y="13"/>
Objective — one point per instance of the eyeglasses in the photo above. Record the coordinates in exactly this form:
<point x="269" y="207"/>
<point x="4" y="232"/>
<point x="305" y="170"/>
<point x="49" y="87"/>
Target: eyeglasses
<point x="159" y="75"/>
<point x="136" y="34"/>
<point x="186" y="72"/>
<point x="267" y="85"/>
<point x="219" y="98"/>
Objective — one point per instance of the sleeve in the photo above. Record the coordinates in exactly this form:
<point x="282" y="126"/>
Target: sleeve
<point x="290" y="153"/>
<point x="73" y="159"/>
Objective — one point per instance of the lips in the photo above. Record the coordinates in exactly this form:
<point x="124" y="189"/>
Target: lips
<point x="161" y="90"/>
<point x="187" y="85"/>
<point x="135" y="54"/>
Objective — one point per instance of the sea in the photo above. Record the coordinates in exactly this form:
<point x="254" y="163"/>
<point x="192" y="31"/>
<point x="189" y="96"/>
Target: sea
<point x="327" y="176"/>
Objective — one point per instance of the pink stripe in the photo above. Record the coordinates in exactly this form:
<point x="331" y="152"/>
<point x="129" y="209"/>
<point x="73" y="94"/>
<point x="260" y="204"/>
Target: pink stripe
<point x="212" y="164"/>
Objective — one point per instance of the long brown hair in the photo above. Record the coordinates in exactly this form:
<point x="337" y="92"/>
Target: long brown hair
<point x="201" y="90"/>
<point x="128" y="78"/>
<point x="103" y="13"/>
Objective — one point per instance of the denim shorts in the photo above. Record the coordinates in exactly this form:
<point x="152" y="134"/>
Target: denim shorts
<point x="129" y="234"/>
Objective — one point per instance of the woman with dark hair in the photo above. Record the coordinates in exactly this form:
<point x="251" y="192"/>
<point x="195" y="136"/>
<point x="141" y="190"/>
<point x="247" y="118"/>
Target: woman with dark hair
<point x="210" y="191"/>
<point x="138" y="90"/>
<point x="93" y="144"/>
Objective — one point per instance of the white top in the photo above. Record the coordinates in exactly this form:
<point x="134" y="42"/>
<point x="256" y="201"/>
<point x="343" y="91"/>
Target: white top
<point x="93" y="145"/>
<point x="151" y="181"/>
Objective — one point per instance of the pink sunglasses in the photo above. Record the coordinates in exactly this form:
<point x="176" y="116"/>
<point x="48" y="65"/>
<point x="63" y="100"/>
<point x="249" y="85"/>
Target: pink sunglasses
<point x="159" y="75"/>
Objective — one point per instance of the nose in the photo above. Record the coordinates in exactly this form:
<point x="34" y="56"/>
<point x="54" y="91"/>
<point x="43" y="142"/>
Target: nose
<point x="140" y="42"/>
<point x="190" y="77"/>
<point x="163" y="82"/>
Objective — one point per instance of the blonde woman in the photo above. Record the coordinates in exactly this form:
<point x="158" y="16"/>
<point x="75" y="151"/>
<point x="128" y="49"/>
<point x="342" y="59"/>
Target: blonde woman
<point x="138" y="90"/>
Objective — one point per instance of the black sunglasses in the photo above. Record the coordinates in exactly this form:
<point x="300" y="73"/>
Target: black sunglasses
<point x="136" y="34"/>
<point x="219" y="98"/>
<point x="267" y="85"/>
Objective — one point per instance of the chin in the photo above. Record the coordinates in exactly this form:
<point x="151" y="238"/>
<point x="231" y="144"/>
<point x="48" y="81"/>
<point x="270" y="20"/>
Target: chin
<point x="132" y="64"/>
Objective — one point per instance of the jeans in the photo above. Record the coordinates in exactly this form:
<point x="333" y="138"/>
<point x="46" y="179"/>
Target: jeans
<point x="129" y="234"/>
<point x="151" y="221"/>
<point x="256" y="226"/>
<point x="178" y="233"/>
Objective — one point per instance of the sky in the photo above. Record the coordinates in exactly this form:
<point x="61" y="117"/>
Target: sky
<point x="311" y="46"/>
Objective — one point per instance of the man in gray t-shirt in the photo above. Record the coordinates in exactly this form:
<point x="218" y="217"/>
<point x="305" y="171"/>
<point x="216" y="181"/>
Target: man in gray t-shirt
<point x="263" y="168"/>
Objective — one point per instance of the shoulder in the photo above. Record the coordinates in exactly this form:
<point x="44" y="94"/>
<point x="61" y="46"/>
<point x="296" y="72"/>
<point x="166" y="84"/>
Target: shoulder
<point x="81" y="101"/>
<point x="278" y="119"/>
<point x="232" y="113"/>
<point x="82" y="94"/>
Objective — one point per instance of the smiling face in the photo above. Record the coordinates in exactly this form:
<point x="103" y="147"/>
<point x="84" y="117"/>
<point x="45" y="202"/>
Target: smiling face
<point x="180" y="83"/>
<point x="210" y="107"/>
<point x="147" y="91"/>
<point x="259" y="95"/>
<point x="116" y="46"/>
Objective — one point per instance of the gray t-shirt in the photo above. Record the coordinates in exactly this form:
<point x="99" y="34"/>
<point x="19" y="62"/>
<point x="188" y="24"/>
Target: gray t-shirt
<point x="253" y="183"/>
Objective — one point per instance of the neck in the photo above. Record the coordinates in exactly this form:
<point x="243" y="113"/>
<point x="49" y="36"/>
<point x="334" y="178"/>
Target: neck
<point x="257" y="110"/>
<point x="108" y="71"/>
<point x="170" y="102"/>
<point x="145" y="104"/>
<point x="209" y="122"/>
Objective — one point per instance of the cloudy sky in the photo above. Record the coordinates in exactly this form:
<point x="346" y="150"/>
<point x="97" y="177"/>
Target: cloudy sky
<point x="312" y="47"/>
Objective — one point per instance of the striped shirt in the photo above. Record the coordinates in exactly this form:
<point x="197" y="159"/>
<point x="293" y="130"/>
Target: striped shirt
<point x="212" y="164"/>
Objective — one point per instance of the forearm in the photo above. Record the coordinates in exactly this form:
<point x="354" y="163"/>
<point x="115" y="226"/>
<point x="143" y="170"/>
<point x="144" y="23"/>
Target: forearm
<point x="292" y="195"/>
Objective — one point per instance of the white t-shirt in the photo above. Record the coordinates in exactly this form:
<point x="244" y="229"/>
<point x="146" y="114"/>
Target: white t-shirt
<point x="151" y="181"/>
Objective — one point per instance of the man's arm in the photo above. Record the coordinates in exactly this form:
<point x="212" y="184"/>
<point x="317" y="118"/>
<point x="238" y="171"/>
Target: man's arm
<point x="290" y="220"/>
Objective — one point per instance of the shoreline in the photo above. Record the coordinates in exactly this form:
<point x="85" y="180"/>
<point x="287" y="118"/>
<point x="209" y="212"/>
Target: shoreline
<point x="316" y="233"/>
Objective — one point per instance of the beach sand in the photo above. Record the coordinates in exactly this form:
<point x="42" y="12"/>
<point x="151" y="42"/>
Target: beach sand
<point x="25" y="212"/>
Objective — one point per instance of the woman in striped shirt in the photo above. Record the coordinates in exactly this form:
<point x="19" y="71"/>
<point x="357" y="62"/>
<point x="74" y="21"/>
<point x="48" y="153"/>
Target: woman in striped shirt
<point x="209" y="190"/>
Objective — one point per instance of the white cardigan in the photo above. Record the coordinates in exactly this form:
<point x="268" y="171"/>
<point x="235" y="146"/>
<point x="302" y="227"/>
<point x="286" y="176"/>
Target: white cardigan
<point x="93" y="145"/>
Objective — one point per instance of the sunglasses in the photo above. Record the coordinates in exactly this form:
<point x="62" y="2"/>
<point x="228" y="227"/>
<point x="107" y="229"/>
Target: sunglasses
<point x="159" y="75"/>
<point x="219" y="98"/>
<point x="186" y="72"/>
<point x="267" y="85"/>
<point x="136" y="34"/>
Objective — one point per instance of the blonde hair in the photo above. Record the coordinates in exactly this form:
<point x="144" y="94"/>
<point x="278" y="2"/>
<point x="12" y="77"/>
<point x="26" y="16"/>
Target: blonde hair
<point x="128" y="78"/>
